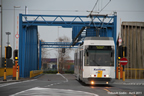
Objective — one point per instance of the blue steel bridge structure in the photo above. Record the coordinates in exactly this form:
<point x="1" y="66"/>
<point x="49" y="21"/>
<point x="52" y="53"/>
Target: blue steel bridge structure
<point x="82" y="26"/>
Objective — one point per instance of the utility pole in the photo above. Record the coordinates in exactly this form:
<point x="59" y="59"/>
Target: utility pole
<point x="14" y="31"/>
<point x="14" y="28"/>
<point x="58" y="54"/>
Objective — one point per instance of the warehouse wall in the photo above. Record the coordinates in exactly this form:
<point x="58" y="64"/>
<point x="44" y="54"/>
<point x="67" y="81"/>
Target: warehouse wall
<point x="133" y="38"/>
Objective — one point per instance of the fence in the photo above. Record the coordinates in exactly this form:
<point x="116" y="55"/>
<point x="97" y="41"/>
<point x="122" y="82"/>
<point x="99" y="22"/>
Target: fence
<point x="134" y="73"/>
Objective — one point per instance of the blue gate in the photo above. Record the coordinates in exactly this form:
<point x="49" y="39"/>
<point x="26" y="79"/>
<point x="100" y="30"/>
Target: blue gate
<point x="28" y="50"/>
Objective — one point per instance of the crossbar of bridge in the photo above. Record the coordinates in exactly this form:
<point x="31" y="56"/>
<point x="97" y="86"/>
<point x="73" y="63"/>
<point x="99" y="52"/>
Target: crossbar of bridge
<point x="57" y="44"/>
<point x="63" y="22"/>
<point x="82" y="16"/>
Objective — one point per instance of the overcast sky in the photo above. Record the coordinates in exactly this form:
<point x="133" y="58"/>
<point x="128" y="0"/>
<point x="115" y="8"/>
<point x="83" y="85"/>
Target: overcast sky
<point x="127" y="10"/>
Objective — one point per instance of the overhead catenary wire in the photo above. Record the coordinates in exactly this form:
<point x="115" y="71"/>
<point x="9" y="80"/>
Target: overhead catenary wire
<point x="94" y="6"/>
<point x="92" y="11"/>
<point x="104" y="6"/>
<point x="98" y="13"/>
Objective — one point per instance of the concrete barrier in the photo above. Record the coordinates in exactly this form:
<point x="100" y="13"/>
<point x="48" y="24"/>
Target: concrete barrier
<point x="34" y="73"/>
<point x="9" y="71"/>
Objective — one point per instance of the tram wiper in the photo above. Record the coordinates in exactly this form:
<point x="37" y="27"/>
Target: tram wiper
<point x="95" y="62"/>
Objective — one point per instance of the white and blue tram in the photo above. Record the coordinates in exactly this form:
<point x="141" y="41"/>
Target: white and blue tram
<point x="95" y="60"/>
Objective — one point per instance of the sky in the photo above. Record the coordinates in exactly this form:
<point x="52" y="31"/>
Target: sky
<point x="127" y="10"/>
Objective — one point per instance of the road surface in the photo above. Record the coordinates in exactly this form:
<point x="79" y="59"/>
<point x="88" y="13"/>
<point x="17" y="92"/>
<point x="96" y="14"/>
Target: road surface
<point x="66" y="85"/>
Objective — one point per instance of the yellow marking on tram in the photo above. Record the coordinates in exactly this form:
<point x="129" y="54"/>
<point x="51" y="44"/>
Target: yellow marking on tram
<point x="99" y="73"/>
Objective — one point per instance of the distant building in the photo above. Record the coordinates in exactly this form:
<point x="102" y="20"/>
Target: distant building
<point x="51" y="63"/>
<point x="54" y="60"/>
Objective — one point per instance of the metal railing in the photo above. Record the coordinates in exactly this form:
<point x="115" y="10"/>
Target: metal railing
<point x="134" y="73"/>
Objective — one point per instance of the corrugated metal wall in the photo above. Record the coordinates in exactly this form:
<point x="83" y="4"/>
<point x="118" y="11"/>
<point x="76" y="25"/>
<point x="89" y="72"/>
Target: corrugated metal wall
<point x="103" y="32"/>
<point x="75" y="31"/>
<point x="31" y="51"/>
<point x="133" y="38"/>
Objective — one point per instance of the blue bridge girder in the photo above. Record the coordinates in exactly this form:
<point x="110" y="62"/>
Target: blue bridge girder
<point x="66" y="24"/>
<point x="58" y="45"/>
<point x="61" y="20"/>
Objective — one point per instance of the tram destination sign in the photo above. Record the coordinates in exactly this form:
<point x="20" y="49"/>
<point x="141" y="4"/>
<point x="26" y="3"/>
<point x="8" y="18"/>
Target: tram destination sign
<point x="99" y="48"/>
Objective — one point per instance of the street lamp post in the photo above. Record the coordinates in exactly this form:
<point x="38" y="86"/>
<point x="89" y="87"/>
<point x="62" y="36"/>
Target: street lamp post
<point x="8" y="33"/>
<point x="58" y="54"/>
<point x="4" y="79"/>
<point x="58" y="51"/>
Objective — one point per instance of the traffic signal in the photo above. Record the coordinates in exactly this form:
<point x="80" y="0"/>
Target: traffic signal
<point x="63" y="50"/>
<point x="122" y="51"/>
<point x="8" y="52"/>
<point x="15" y="54"/>
<point x="125" y="51"/>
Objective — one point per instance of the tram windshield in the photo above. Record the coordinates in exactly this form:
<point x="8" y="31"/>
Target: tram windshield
<point x="99" y="56"/>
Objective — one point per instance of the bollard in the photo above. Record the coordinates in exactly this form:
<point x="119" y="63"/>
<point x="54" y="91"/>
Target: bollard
<point x="17" y="73"/>
<point x="118" y="68"/>
<point x="14" y="71"/>
<point x="16" y="60"/>
<point x="123" y="75"/>
<point x="5" y="67"/>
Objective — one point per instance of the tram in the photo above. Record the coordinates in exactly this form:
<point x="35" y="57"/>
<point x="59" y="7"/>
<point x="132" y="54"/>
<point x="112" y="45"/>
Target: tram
<point x="94" y="61"/>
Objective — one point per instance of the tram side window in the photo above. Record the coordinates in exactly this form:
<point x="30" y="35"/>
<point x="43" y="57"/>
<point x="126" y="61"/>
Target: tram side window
<point x="86" y="58"/>
<point x="112" y="58"/>
<point x="75" y="58"/>
<point x="80" y="59"/>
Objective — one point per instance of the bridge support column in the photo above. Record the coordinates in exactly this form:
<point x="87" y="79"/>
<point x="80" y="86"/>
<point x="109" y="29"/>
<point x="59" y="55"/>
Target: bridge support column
<point x="40" y="54"/>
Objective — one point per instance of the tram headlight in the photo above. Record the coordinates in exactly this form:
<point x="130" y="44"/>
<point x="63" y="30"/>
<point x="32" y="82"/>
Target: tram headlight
<point x="106" y="82"/>
<point x="107" y="75"/>
<point x="92" y="82"/>
<point x="92" y="75"/>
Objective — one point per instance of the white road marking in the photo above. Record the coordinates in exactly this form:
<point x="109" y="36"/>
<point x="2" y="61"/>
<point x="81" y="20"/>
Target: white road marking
<point x="57" y="83"/>
<point x="21" y="92"/>
<point x="3" y="85"/>
<point x="37" y="91"/>
<point x="63" y="77"/>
